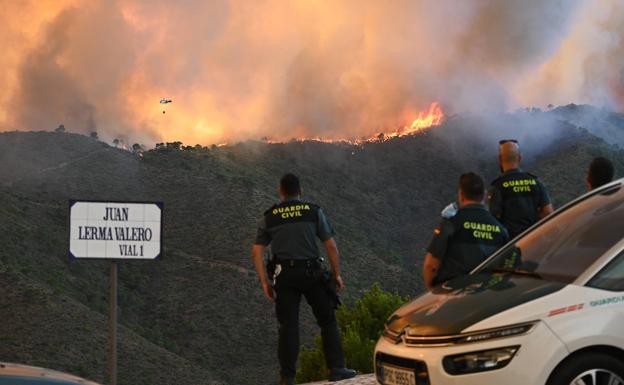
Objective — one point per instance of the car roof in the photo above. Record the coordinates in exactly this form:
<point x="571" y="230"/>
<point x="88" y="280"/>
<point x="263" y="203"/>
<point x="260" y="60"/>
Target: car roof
<point x="33" y="372"/>
<point x="601" y="261"/>
<point x="611" y="253"/>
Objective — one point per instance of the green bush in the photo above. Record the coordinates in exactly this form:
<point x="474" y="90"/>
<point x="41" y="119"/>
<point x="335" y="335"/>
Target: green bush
<point x="360" y="328"/>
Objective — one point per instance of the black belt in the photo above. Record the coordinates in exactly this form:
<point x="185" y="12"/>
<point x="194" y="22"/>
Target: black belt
<point x="296" y="262"/>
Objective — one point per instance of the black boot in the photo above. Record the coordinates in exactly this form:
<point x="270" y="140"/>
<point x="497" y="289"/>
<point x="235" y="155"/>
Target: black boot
<point x="286" y="380"/>
<point x="337" y="374"/>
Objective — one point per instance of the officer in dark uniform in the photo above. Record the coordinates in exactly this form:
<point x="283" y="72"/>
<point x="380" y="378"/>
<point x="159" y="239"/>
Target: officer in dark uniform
<point x="518" y="199"/>
<point x="291" y="228"/>
<point x="600" y="172"/>
<point x="465" y="239"/>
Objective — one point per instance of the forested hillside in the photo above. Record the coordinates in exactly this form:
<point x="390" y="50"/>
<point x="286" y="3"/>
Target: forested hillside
<point x="198" y="314"/>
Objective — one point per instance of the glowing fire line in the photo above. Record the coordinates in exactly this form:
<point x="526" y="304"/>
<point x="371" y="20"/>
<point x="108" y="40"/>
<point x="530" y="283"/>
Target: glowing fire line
<point x="433" y="117"/>
<point x="426" y="119"/>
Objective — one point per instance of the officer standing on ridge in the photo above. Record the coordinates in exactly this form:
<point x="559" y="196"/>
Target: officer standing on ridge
<point x="291" y="228"/>
<point x="518" y="199"/>
<point x="600" y="172"/>
<point x="465" y="239"/>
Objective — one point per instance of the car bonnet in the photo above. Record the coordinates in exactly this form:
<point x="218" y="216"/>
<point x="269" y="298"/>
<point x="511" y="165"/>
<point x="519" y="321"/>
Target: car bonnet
<point x="16" y="373"/>
<point x="458" y="304"/>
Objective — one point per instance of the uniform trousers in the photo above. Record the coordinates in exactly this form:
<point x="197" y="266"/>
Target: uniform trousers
<point x="290" y="285"/>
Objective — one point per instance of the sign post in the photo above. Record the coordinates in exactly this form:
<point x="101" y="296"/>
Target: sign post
<point x="115" y="231"/>
<point x="112" y="325"/>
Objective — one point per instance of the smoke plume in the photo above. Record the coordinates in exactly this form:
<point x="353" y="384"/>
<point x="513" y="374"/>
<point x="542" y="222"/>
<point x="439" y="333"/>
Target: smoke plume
<point x="240" y="69"/>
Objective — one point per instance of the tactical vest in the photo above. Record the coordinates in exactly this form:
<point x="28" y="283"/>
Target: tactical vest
<point x="476" y="235"/>
<point x="521" y="194"/>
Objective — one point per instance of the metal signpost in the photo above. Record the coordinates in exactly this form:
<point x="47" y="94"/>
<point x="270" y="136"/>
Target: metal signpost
<point x="115" y="231"/>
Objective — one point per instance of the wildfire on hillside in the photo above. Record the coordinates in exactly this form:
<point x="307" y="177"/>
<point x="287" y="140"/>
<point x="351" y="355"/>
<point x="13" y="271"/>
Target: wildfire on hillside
<point x="433" y="117"/>
<point x="423" y="120"/>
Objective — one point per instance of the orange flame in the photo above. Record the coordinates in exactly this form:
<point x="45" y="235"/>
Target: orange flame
<point x="424" y="120"/>
<point x="433" y="117"/>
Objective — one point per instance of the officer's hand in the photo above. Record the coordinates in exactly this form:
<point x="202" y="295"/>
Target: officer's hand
<point x="268" y="291"/>
<point x="339" y="283"/>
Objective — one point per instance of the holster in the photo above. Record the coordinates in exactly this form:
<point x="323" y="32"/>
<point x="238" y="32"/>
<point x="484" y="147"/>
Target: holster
<point x="316" y="269"/>
<point x="330" y="285"/>
<point x="270" y="268"/>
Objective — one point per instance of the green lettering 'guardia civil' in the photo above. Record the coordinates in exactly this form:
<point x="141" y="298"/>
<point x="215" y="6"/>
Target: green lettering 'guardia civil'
<point x="607" y="301"/>
<point x="287" y="209"/>
<point x="519" y="182"/>
<point x="468" y="225"/>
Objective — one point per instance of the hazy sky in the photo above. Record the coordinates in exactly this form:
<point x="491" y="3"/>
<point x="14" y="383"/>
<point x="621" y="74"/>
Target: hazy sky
<point x="246" y="69"/>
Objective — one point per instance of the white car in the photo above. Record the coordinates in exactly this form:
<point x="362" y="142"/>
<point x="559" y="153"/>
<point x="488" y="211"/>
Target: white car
<point x="15" y="374"/>
<point x="546" y="309"/>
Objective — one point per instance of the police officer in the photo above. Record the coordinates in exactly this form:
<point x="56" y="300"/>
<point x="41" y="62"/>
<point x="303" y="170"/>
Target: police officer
<point x="465" y="239"/>
<point x="291" y="228"/>
<point x="518" y="199"/>
<point x="600" y="172"/>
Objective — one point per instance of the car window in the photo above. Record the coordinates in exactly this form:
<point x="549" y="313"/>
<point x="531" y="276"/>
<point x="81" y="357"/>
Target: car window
<point x="566" y="245"/>
<point x="611" y="277"/>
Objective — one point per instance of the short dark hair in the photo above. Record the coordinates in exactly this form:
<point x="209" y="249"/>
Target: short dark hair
<point x="600" y="172"/>
<point x="289" y="184"/>
<point x="472" y="186"/>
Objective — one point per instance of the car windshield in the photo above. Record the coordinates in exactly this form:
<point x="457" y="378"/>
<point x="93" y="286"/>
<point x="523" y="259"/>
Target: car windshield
<point x="564" y="246"/>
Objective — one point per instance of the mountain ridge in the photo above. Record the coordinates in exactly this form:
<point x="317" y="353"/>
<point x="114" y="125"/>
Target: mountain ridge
<point x="202" y="302"/>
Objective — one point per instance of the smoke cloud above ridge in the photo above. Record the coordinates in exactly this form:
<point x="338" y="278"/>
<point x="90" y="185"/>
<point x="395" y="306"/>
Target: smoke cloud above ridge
<point x="241" y="70"/>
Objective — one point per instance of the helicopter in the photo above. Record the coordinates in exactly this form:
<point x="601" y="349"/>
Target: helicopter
<point x="165" y="101"/>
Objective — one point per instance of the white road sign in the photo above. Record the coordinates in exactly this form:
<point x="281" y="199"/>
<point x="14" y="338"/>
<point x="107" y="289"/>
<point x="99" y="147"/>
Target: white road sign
<point x="115" y="230"/>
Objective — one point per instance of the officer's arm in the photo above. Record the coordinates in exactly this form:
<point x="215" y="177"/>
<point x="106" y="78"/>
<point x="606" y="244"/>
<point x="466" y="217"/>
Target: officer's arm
<point x="334" y="260"/>
<point x="257" y="252"/>
<point x="326" y="234"/>
<point x="545" y="206"/>
<point x="430" y="269"/>
<point x="544" y="211"/>
<point x="495" y="201"/>
<point x="263" y="238"/>
<point x="258" y="259"/>
<point x="436" y="248"/>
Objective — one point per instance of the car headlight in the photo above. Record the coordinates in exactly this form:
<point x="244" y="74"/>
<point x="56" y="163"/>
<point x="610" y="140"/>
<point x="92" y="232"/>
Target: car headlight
<point x="480" y="361"/>
<point x="503" y="332"/>
<point x="392" y="336"/>
<point x="413" y="339"/>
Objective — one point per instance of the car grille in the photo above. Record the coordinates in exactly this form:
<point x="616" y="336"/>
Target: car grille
<point x="419" y="367"/>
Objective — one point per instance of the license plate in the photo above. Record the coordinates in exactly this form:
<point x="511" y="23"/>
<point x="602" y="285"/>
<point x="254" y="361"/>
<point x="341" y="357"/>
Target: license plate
<point x="398" y="376"/>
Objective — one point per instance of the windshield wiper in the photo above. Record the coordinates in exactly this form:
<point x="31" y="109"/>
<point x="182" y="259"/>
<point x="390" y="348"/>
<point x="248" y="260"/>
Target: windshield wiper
<point x="516" y="272"/>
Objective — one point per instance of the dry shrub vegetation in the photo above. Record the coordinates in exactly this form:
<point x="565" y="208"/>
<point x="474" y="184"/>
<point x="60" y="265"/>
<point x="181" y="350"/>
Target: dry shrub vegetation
<point x="198" y="315"/>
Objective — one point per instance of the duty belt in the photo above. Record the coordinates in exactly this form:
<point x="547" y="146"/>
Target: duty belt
<point x="297" y="262"/>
